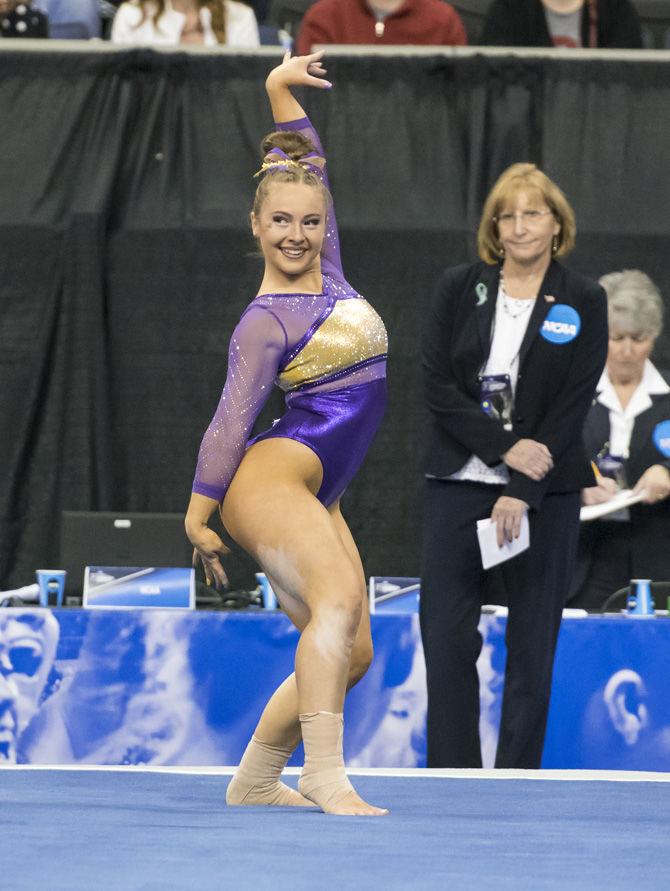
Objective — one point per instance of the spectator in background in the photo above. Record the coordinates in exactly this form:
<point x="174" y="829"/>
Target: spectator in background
<point x="19" y="19"/>
<point x="572" y="23"/>
<point x="627" y="432"/>
<point x="381" y="22"/>
<point x="173" y="22"/>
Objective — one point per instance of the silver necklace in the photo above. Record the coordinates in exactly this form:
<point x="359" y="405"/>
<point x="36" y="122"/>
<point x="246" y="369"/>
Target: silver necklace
<point x="514" y="307"/>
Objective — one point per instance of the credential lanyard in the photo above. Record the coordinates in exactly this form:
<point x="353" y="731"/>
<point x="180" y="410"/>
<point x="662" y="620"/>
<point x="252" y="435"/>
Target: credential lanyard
<point x="495" y="397"/>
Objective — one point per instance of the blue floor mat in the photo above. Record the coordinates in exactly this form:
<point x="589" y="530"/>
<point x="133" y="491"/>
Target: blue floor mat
<point x="135" y="830"/>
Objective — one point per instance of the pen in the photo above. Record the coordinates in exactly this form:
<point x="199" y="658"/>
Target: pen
<point x="597" y="473"/>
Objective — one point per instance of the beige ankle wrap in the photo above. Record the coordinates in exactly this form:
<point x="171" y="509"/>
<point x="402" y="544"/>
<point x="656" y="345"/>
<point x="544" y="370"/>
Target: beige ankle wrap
<point x="256" y="780"/>
<point x="323" y="779"/>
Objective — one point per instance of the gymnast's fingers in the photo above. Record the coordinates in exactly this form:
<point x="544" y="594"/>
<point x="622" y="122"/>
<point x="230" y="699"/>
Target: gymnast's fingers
<point x="311" y="58"/>
<point x="218" y="573"/>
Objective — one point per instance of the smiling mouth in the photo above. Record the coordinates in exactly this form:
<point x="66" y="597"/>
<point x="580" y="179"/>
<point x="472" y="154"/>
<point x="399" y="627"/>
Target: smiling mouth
<point x="294" y="253"/>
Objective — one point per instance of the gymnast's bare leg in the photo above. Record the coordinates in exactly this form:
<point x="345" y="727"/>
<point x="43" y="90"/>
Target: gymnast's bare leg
<point x="259" y="784"/>
<point x="271" y="510"/>
<point x="280" y="721"/>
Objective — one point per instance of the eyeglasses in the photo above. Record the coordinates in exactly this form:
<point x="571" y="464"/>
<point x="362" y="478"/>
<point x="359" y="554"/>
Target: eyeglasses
<point x="529" y="217"/>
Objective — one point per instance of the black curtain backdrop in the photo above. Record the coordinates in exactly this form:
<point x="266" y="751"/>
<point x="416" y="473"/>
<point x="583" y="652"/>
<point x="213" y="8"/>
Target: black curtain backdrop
<point x="125" y="258"/>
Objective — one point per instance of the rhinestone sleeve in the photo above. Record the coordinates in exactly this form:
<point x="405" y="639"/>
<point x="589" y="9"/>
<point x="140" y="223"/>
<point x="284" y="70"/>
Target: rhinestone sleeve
<point x="256" y="347"/>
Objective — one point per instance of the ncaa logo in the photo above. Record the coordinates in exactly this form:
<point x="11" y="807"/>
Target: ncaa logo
<point x="661" y="437"/>
<point x="561" y="325"/>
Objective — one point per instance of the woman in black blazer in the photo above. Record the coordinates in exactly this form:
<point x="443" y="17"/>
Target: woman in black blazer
<point x="627" y="432"/>
<point x="601" y="23"/>
<point x="521" y="321"/>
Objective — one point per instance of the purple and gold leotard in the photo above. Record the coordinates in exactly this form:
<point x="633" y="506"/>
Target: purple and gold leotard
<point x="327" y="352"/>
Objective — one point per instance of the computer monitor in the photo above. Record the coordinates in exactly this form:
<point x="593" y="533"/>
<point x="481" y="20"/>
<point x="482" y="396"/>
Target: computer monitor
<point x="111" y="538"/>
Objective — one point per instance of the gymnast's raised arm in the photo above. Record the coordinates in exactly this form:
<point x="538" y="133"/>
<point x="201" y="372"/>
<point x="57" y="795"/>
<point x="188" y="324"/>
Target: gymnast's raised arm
<point x="288" y="114"/>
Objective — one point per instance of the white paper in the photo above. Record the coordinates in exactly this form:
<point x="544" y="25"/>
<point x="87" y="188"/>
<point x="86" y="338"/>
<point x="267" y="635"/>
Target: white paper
<point x="488" y="543"/>
<point x="622" y="499"/>
<point x="503" y="611"/>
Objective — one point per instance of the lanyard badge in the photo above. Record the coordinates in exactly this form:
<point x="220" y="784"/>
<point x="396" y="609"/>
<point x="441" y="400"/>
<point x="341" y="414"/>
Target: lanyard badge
<point x="612" y="466"/>
<point x="495" y="397"/>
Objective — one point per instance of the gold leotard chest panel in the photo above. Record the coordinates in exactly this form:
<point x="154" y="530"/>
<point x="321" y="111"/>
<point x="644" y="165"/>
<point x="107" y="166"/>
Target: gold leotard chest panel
<point x="352" y="333"/>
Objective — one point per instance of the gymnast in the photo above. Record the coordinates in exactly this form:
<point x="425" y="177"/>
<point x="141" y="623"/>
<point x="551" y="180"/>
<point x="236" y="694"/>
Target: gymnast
<point x="311" y="333"/>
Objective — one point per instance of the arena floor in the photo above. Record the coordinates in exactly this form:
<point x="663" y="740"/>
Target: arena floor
<point x="130" y="828"/>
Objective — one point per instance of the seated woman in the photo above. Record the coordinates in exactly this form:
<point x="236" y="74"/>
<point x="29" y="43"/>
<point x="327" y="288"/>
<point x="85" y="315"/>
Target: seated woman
<point x="572" y="23"/>
<point x="174" y="22"/>
<point x="627" y="433"/>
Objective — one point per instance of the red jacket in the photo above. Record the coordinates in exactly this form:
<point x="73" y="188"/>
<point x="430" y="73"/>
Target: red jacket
<point x="352" y="21"/>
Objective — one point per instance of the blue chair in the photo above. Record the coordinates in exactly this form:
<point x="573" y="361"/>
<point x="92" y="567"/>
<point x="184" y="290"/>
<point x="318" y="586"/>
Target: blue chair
<point x="269" y="35"/>
<point x="68" y="31"/>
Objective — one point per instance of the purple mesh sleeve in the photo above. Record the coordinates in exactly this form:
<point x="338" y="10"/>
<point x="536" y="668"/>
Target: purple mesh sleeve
<point x="331" y="262"/>
<point x="256" y="348"/>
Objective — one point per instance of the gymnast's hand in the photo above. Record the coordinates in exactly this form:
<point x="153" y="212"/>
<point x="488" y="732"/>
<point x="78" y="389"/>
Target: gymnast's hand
<point x="530" y="458"/>
<point x="299" y="71"/>
<point x="208" y="546"/>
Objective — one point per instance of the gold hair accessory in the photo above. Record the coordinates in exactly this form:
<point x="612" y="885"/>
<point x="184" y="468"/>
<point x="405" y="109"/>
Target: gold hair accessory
<point x="284" y="164"/>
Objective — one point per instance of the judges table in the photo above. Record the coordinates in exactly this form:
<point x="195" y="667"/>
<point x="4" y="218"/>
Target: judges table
<point x="186" y="688"/>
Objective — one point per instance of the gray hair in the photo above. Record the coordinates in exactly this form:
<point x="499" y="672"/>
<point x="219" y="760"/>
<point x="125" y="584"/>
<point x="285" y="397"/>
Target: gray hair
<point x="634" y="303"/>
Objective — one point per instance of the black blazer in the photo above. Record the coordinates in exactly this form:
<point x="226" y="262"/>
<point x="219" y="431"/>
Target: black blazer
<point x="523" y="23"/>
<point x="649" y="526"/>
<point x="554" y="389"/>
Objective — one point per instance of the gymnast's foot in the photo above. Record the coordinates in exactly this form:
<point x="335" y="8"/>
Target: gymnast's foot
<point x="352" y="805"/>
<point x="324" y="780"/>
<point x="273" y="793"/>
<point x="256" y="780"/>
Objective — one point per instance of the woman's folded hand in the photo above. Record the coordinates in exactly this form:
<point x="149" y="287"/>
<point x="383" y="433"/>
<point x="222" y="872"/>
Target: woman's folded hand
<point x="530" y="458"/>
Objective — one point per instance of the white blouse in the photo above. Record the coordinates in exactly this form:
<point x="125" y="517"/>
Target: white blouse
<point x="509" y="328"/>
<point x="241" y="26"/>
<point x="622" y="420"/>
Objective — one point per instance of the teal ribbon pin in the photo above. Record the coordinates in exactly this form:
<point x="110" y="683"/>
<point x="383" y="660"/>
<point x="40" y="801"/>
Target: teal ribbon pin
<point x="482" y="293"/>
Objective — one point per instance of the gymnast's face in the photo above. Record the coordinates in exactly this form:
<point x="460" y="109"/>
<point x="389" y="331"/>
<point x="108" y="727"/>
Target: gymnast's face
<point x="290" y="227"/>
